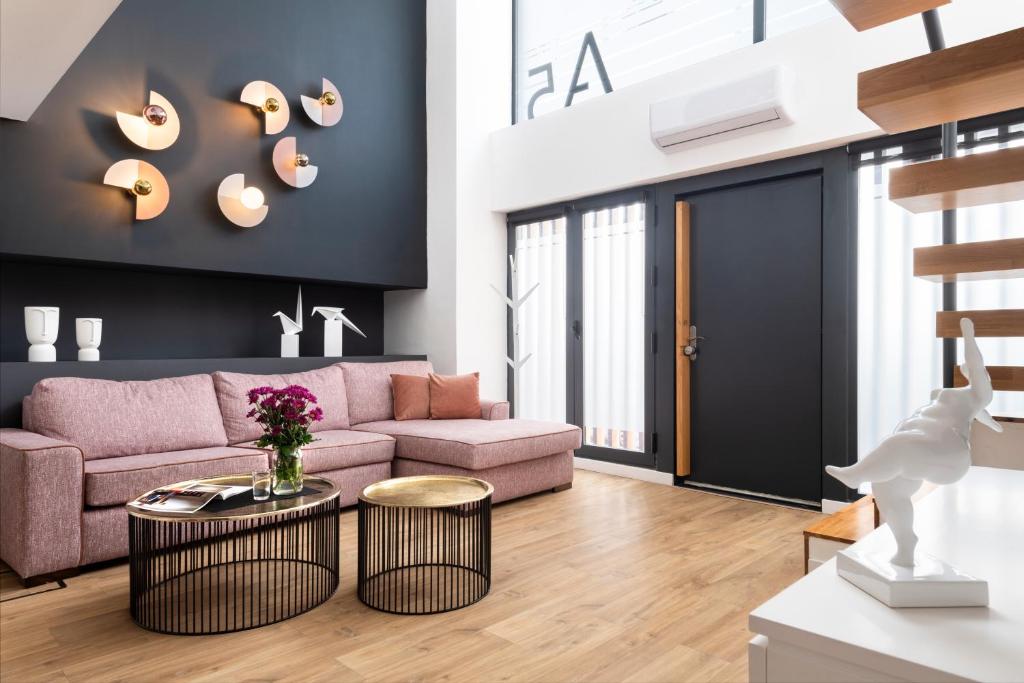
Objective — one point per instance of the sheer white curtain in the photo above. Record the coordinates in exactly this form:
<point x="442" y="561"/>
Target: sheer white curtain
<point x="540" y="258"/>
<point x="899" y="360"/>
<point x="613" y="327"/>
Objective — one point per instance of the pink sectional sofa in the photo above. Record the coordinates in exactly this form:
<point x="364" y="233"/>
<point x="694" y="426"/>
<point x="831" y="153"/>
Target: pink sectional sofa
<point x="88" y="446"/>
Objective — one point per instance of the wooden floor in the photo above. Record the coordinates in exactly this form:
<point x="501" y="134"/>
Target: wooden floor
<point x="613" y="580"/>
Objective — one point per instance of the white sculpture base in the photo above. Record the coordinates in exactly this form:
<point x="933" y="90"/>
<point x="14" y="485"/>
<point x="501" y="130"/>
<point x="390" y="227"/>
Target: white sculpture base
<point x="333" y="330"/>
<point x="930" y="583"/>
<point x="42" y="353"/>
<point x="289" y="346"/>
<point x="88" y="354"/>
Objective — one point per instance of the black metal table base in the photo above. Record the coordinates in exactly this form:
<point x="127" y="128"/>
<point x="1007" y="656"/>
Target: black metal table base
<point x="205" y="577"/>
<point x="424" y="560"/>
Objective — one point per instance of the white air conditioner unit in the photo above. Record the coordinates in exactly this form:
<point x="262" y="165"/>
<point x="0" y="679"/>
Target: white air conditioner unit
<point x="748" y="105"/>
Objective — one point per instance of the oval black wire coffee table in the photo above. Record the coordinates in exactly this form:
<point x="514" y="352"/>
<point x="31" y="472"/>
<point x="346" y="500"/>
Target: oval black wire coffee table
<point x="235" y="564"/>
<point x="424" y="544"/>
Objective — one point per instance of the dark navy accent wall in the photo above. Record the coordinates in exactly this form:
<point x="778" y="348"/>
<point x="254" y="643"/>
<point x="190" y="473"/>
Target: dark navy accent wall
<point x="364" y="219"/>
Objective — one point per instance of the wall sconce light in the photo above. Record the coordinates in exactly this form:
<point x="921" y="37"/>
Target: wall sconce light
<point x="267" y="98"/>
<point x="142" y="181"/>
<point x="242" y="205"/>
<point x="157" y="128"/>
<point x="327" y="109"/>
<point x="291" y="166"/>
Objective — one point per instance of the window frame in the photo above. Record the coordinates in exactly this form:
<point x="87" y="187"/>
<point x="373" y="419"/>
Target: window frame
<point x="574" y="382"/>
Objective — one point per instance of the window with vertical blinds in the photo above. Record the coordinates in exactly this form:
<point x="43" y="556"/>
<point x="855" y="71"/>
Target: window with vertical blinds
<point x="613" y="327"/>
<point x="899" y="359"/>
<point x="540" y="255"/>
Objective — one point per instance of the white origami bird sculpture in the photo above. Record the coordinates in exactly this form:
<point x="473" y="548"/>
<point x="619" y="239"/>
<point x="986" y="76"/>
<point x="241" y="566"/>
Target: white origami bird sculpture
<point x="288" y="325"/>
<point x="331" y="313"/>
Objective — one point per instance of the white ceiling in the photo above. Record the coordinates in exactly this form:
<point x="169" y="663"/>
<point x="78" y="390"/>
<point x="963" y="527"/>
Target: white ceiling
<point x="39" y="40"/>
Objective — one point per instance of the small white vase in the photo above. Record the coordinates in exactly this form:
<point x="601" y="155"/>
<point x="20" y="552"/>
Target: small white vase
<point x="88" y="332"/>
<point x="41" y="326"/>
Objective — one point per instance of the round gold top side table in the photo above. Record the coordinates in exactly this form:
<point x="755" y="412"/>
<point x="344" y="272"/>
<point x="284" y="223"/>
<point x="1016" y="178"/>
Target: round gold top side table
<point x="424" y="544"/>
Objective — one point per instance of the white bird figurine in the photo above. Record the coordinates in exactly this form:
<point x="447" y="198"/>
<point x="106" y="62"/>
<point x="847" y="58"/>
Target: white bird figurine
<point x="288" y="325"/>
<point x="331" y="313"/>
<point x="335" y="323"/>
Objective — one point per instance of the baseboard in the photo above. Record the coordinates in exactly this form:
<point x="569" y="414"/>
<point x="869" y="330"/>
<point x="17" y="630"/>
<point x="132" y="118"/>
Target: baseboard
<point x="641" y="473"/>
<point x="830" y="506"/>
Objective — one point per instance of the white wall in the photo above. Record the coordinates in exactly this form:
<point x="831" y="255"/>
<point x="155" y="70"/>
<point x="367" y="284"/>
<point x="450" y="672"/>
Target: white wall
<point x="603" y="143"/>
<point x="458" y="321"/>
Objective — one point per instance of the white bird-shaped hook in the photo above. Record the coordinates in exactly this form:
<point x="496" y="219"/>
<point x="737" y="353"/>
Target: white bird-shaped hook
<point x="332" y="313"/>
<point x="287" y="324"/>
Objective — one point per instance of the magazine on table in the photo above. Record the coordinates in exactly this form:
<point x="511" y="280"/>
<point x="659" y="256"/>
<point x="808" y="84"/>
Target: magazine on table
<point x="188" y="498"/>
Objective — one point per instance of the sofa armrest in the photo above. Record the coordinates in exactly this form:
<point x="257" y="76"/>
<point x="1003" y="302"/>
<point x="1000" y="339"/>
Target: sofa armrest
<point x="40" y="502"/>
<point x="493" y="410"/>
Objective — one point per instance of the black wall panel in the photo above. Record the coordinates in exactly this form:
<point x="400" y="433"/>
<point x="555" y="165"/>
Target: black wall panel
<point x="154" y="315"/>
<point x="363" y="220"/>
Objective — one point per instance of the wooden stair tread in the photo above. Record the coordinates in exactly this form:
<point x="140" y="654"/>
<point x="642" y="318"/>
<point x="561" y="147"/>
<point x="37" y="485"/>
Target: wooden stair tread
<point x="1004" y="377"/>
<point x="865" y="14"/>
<point x="959" y="182"/>
<point x="965" y="81"/>
<point x="990" y="260"/>
<point x="1008" y="322"/>
<point x="849" y="525"/>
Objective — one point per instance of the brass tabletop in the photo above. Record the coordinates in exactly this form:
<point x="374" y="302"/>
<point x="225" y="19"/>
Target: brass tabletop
<point x="427" y="491"/>
<point x="264" y="508"/>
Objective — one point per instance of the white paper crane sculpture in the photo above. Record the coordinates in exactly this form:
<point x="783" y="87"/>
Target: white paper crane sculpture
<point x="335" y="323"/>
<point x="515" y="362"/>
<point x="291" y="329"/>
<point x="931" y="445"/>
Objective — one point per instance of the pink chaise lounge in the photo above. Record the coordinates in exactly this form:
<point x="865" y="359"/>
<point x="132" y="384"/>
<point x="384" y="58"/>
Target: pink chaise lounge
<point x="87" y="447"/>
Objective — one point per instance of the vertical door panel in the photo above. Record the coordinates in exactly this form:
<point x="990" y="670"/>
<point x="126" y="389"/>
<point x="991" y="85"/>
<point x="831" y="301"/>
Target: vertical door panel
<point x="756" y="298"/>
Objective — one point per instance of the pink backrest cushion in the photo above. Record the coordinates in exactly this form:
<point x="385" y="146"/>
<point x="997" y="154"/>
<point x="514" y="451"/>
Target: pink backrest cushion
<point x="108" y="419"/>
<point x="369" y="387"/>
<point x="327" y="384"/>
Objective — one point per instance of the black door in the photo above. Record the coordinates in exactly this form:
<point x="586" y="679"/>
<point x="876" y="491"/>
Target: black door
<point x="756" y="299"/>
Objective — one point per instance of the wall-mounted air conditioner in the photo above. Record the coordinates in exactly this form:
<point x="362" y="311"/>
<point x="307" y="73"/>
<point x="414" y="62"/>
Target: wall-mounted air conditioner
<point x="747" y="105"/>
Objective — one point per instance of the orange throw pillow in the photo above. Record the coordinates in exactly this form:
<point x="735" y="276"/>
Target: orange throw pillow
<point x="412" y="397"/>
<point x="454" y="396"/>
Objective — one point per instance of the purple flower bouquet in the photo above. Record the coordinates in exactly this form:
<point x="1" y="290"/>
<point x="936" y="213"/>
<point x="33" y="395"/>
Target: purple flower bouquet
<point x="285" y="416"/>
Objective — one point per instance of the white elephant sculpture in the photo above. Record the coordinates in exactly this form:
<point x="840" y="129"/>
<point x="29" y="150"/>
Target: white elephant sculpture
<point x="932" y="445"/>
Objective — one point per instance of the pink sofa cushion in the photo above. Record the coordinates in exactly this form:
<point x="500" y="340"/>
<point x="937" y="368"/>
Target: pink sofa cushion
<point x="476" y="444"/>
<point x="115" y="481"/>
<point x="107" y="419"/>
<point x="327" y="384"/>
<point x="509" y="481"/>
<point x="339" y="448"/>
<point x="369" y="387"/>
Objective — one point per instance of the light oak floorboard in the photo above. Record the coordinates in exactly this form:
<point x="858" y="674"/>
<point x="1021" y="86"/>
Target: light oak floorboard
<point x="612" y="580"/>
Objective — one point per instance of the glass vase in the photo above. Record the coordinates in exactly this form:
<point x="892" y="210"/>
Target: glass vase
<point x="287" y="471"/>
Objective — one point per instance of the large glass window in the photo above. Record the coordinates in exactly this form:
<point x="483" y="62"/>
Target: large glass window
<point x="540" y="259"/>
<point x="613" y="327"/>
<point x="568" y="51"/>
<point x="899" y="359"/>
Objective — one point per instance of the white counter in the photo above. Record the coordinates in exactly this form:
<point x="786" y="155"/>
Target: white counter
<point x="823" y="628"/>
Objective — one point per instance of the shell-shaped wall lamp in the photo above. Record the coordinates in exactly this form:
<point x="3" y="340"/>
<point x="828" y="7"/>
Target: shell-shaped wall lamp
<point x="242" y="205"/>
<point x="269" y="99"/>
<point x="327" y="109"/>
<point x="156" y="128"/>
<point x="144" y="182"/>
<point x="291" y="166"/>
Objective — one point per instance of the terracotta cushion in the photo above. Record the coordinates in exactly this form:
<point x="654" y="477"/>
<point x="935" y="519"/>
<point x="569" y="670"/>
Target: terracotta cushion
<point x="107" y="419"/>
<point x="476" y="444"/>
<point x="115" y="481"/>
<point x="454" y="397"/>
<point x="412" y="397"/>
<point x="369" y="387"/>
<point x="340" y="448"/>
<point x="327" y="384"/>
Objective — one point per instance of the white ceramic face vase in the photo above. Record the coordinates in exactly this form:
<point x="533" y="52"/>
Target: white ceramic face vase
<point x="88" y="332"/>
<point x="41" y="327"/>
